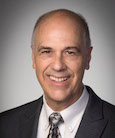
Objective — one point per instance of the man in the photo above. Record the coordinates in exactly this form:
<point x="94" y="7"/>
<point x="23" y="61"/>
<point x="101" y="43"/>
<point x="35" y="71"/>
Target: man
<point x="61" y="51"/>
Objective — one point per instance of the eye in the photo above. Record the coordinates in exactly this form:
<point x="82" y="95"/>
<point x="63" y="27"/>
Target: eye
<point x="46" y="52"/>
<point x="70" y="53"/>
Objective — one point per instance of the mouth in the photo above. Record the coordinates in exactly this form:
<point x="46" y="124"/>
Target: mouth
<point x="59" y="79"/>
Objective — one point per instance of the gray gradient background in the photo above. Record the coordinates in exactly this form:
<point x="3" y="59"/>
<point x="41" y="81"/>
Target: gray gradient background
<point x="18" y="83"/>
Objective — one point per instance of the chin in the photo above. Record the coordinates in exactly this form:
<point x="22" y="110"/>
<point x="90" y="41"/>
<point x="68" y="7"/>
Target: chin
<point x="58" y="98"/>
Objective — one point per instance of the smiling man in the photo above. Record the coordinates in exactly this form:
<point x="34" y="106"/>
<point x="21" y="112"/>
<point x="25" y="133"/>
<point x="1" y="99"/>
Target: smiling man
<point x="60" y="57"/>
<point x="61" y="52"/>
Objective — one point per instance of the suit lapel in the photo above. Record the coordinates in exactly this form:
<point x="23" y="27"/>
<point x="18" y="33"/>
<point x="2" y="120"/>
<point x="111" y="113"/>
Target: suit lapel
<point x="93" y="123"/>
<point x="91" y="129"/>
<point x="29" y="122"/>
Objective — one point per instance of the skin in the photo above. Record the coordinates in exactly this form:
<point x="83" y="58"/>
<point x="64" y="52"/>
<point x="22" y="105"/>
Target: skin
<point x="60" y="52"/>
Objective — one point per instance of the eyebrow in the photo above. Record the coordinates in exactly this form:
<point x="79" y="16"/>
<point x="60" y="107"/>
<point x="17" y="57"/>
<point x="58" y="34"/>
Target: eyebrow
<point x="73" y="47"/>
<point x="66" y="48"/>
<point x="43" y="47"/>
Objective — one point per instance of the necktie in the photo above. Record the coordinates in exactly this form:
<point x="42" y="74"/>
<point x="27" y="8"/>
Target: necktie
<point x="55" y="119"/>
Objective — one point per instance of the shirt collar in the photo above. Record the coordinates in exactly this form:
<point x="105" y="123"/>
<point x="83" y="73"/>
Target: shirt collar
<point x="75" y="111"/>
<point x="71" y="113"/>
<point x="47" y="112"/>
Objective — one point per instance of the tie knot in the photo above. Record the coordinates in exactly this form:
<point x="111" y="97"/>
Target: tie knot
<point x="55" y="119"/>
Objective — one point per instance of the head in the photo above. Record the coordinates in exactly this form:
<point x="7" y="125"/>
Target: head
<point x="61" y="52"/>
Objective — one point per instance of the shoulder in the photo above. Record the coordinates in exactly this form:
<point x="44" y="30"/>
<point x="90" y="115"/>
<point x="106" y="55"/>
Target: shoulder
<point x="12" y="120"/>
<point x="15" y="113"/>
<point x="108" y="110"/>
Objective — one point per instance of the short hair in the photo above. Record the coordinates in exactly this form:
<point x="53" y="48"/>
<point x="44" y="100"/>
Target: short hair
<point x="69" y="13"/>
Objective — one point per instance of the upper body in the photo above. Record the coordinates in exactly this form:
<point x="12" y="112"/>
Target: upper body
<point x="98" y="120"/>
<point x="61" y="52"/>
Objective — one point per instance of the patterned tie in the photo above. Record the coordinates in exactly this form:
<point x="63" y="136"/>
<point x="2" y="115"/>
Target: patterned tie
<point x="55" y="119"/>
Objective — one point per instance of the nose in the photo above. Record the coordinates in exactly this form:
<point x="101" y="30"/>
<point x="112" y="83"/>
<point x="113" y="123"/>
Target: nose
<point x="59" y="63"/>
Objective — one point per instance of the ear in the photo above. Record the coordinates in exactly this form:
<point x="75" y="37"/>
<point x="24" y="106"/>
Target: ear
<point x="88" y="58"/>
<point x="33" y="58"/>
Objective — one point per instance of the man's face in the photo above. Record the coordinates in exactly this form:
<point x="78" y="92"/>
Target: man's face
<point x="60" y="59"/>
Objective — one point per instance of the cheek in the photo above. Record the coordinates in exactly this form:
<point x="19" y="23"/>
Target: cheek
<point x="41" y="67"/>
<point x="76" y="66"/>
<point x="78" y="71"/>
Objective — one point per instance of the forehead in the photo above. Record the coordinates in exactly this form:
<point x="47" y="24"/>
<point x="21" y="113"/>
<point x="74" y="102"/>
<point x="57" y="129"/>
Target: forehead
<point x="58" y="29"/>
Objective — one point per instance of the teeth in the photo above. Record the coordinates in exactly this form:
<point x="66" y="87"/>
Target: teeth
<point x="58" y="79"/>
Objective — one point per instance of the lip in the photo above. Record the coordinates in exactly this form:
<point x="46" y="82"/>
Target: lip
<point x="58" y="83"/>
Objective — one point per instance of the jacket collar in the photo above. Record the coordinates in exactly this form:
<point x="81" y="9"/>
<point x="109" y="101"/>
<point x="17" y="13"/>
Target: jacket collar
<point x="29" y="121"/>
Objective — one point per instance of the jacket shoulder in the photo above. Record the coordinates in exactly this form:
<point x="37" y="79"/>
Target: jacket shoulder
<point x="109" y="110"/>
<point x="14" y="114"/>
<point x="10" y="120"/>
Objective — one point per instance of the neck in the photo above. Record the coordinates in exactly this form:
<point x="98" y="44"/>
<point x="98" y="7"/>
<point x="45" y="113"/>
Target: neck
<point x="61" y="105"/>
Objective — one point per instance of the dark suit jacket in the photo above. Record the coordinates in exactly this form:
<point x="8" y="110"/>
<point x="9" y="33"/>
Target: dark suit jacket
<point x="98" y="120"/>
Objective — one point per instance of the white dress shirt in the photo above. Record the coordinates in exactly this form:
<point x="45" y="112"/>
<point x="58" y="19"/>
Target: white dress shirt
<point x="72" y="116"/>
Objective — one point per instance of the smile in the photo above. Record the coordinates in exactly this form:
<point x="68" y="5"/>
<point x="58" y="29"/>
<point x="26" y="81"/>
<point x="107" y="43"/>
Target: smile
<point x="58" y="79"/>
